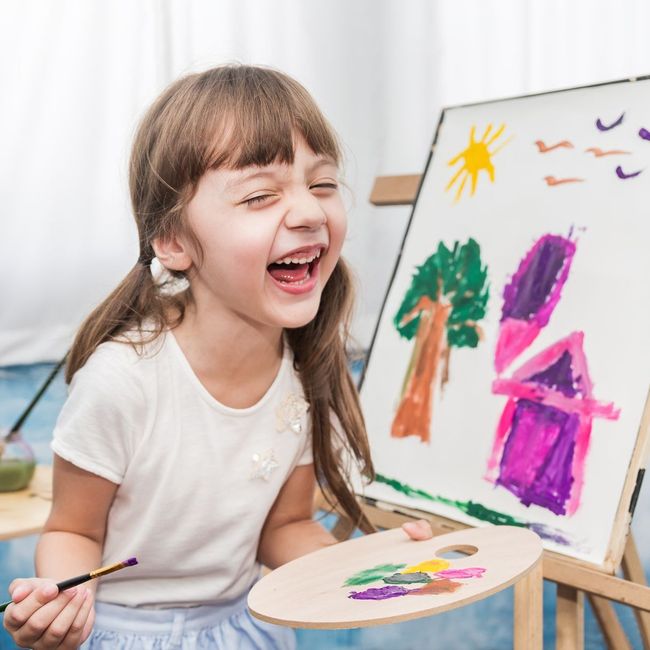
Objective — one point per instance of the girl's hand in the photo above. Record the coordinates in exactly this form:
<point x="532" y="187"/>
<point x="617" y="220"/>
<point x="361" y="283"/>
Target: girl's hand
<point x="418" y="530"/>
<point x="42" y="618"/>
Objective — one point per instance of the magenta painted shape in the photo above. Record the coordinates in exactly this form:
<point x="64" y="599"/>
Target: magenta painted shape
<point x="538" y="456"/>
<point x="531" y="296"/>
<point x="542" y="437"/>
<point x="469" y="572"/>
<point x="379" y="593"/>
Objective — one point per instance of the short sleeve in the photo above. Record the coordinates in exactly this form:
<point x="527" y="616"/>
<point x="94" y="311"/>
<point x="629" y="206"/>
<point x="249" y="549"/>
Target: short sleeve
<point x="97" y="425"/>
<point x="306" y="455"/>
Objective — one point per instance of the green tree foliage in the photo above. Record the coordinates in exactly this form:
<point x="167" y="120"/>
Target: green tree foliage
<point x="455" y="277"/>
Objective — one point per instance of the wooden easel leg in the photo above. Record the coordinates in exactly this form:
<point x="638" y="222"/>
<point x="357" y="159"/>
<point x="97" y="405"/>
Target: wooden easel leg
<point x="633" y="571"/>
<point x="570" y="619"/>
<point x="610" y="626"/>
<point x="529" y="611"/>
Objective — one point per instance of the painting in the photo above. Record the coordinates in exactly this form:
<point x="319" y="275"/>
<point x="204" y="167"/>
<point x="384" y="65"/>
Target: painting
<point x="507" y="374"/>
<point x="427" y="578"/>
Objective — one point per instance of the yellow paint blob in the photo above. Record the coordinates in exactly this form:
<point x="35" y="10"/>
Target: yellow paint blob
<point x="477" y="156"/>
<point x="428" y="566"/>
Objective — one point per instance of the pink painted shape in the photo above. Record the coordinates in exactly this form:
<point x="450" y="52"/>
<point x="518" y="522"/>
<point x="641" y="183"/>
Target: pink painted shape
<point x="573" y="344"/>
<point x="499" y="440"/>
<point x="469" y="572"/>
<point x="545" y="395"/>
<point x="514" y="337"/>
<point x="578" y="468"/>
<point x="584" y="404"/>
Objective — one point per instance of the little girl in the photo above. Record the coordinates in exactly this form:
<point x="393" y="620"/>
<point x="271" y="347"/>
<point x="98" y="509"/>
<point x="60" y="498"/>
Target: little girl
<point x="204" y="409"/>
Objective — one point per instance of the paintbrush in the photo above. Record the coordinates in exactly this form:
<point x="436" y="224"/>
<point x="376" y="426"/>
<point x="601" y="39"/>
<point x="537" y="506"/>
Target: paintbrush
<point x="73" y="582"/>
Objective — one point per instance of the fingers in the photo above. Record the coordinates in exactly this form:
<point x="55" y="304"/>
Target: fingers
<point x="29" y="621"/>
<point x="418" y="530"/>
<point x="66" y="629"/>
<point x="18" y="614"/>
<point x="20" y="589"/>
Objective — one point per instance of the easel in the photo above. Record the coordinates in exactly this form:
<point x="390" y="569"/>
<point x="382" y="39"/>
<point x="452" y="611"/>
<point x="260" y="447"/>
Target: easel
<point x="573" y="577"/>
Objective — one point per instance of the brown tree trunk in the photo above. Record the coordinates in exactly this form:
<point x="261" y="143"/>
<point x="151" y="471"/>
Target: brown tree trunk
<point x="413" y="417"/>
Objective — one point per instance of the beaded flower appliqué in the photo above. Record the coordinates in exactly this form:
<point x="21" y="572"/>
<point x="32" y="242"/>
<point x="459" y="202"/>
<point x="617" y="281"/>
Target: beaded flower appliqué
<point x="264" y="464"/>
<point x="290" y="413"/>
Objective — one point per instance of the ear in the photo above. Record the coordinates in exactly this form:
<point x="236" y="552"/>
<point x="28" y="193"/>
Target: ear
<point x="173" y="253"/>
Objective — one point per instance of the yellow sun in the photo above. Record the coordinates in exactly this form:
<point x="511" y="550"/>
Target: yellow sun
<point x="476" y="157"/>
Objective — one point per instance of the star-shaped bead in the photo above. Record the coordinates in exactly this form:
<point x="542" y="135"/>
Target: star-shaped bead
<point x="290" y="413"/>
<point x="264" y="464"/>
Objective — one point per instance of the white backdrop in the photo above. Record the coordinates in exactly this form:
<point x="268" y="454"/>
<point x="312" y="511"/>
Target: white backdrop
<point x="76" y="75"/>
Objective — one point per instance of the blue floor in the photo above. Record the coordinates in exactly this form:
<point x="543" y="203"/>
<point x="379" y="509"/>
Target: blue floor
<point x="484" y="626"/>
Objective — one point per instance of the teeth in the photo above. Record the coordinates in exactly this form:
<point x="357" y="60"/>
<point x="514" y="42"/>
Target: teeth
<point x="298" y="260"/>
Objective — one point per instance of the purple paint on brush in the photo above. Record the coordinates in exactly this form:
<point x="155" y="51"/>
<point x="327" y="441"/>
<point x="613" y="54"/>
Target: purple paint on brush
<point x="130" y="562"/>
<point x="379" y="593"/>
<point x="644" y="133"/>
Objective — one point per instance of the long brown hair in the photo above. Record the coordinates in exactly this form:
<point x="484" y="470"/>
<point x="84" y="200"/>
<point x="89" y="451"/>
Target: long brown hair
<point x="234" y="116"/>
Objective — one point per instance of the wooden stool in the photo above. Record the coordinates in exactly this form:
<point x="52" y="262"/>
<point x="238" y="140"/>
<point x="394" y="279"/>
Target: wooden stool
<point x="389" y="578"/>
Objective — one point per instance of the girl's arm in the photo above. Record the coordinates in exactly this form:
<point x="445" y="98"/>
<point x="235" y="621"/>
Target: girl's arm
<point x="71" y="544"/>
<point x="290" y="531"/>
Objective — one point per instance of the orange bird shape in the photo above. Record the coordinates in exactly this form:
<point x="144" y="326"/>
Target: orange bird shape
<point x="599" y="152"/>
<point x="551" y="180"/>
<point x="544" y="148"/>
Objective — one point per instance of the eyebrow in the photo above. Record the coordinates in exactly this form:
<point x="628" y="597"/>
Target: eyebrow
<point x="268" y="173"/>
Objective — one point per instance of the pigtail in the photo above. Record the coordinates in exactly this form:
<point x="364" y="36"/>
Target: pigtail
<point x="135" y="299"/>
<point x="321" y="359"/>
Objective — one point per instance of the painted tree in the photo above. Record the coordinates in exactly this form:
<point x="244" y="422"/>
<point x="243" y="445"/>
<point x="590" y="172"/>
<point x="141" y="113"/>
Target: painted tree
<point x="441" y="309"/>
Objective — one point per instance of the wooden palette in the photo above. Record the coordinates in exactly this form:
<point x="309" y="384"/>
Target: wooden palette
<point x="310" y="592"/>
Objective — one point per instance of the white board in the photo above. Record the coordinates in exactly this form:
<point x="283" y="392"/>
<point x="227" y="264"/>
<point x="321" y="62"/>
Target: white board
<point x="565" y="174"/>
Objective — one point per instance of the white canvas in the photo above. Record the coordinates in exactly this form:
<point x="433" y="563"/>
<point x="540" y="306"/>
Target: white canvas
<point x="605" y="296"/>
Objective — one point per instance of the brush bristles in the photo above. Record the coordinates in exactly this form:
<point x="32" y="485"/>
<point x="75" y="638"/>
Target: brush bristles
<point x="113" y="567"/>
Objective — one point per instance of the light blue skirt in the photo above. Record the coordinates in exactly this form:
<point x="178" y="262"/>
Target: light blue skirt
<point x="219" y="627"/>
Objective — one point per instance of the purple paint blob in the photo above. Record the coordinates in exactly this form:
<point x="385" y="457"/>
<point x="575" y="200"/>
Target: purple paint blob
<point x="379" y="593"/>
<point x="622" y="175"/>
<point x="558" y="375"/>
<point x="537" y="282"/>
<point x="538" y="455"/>
<point x="606" y="127"/>
<point x="644" y="133"/>
<point x="531" y="296"/>
<point x="548" y="533"/>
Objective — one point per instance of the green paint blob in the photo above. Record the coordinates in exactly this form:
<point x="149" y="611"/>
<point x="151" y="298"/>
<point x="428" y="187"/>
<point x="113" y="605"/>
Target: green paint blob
<point x="372" y="575"/>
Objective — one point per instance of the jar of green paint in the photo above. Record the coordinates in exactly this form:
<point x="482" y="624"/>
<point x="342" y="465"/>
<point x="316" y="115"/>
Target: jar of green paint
<point x="17" y="463"/>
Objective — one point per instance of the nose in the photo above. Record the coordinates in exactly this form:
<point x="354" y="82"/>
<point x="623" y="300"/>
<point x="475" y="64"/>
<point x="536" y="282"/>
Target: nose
<point x="305" y="211"/>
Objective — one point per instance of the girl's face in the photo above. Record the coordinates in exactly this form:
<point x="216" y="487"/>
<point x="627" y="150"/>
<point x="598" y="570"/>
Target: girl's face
<point x="271" y="237"/>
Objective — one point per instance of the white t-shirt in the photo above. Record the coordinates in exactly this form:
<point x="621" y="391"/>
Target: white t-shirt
<point x="196" y="478"/>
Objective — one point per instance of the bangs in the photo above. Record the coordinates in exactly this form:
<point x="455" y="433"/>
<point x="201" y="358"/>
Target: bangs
<point x="258" y="114"/>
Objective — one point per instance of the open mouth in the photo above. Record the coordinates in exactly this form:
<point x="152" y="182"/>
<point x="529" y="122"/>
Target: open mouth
<point x="296" y="269"/>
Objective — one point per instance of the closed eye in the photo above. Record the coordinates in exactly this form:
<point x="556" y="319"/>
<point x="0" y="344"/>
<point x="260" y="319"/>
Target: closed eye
<point x="328" y="186"/>
<point x="254" y="200"/>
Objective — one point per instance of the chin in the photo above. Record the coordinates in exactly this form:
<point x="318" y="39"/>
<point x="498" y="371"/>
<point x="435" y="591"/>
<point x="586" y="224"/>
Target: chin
<point x="298" y="316"/>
